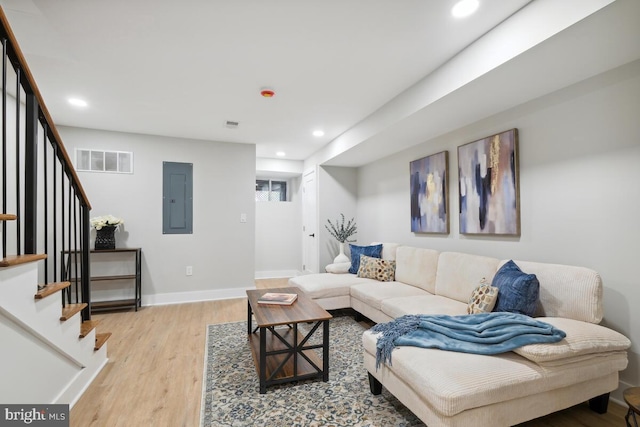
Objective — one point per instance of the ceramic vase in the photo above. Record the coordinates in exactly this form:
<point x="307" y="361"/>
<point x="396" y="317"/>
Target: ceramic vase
<point x="341" y="258"/>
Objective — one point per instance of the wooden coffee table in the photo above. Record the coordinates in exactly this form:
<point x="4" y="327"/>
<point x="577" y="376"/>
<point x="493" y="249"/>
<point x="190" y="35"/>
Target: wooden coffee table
<point x="280" y="352"/>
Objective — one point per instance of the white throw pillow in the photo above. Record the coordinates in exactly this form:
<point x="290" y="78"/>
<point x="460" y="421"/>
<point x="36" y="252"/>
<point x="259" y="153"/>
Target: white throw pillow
<point x="340" y="268"/>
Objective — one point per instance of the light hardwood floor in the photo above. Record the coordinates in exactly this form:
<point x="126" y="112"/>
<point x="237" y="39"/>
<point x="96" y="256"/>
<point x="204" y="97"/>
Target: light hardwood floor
<point x="156" y="359"/>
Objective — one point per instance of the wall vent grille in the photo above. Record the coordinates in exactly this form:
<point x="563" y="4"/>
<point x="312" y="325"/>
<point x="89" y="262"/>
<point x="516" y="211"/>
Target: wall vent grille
<point x="104" y="161"/>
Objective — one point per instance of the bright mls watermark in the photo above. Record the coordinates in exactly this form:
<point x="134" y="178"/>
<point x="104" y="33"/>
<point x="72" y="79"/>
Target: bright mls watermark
<point x="34" y="415"/>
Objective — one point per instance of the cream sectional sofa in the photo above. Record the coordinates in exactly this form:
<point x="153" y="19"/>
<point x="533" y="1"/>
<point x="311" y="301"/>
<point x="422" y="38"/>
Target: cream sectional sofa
<point x="458" y="389"/>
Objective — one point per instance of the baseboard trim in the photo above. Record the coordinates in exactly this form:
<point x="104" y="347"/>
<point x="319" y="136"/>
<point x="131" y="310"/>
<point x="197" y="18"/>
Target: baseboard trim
<point x="83" y="380"/>
<point x="276" y="274"/>
<point x="194" y="296"/>
<point x="616" y="395"/>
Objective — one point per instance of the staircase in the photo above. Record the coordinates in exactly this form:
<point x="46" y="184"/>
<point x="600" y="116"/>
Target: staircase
<point x="50" y="348"/>
<point x="50" y="355"/>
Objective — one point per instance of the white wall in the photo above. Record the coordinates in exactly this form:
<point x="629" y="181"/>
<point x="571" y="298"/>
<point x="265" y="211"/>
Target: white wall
<point x="579" y="171"/>
<point x="279" y="167"/>
<point x="278" y="230"/>
<point x="337" y="194"/>
<point x="221" y="248"/>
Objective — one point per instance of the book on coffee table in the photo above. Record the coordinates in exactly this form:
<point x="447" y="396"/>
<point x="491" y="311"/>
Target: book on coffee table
<point x="277" y="298"/>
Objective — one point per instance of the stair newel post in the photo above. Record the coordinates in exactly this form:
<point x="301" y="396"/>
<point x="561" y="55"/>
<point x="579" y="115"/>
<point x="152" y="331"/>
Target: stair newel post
<point x="85" y="274"/>
<point x="31" y="175"/>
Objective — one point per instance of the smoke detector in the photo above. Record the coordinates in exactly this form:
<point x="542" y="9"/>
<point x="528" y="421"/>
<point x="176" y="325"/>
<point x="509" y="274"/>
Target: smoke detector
<point x="267" y="92"/>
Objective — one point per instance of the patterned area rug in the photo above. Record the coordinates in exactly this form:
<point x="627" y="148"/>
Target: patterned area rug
<point x="231" y="388"/>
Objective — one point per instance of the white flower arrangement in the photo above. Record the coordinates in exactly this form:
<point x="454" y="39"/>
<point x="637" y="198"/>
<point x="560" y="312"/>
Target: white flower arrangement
<point x="106" y="221"/>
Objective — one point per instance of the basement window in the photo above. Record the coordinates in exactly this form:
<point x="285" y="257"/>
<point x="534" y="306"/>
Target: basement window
<point x="268" y="190"/>
<point x="104" y="161"/>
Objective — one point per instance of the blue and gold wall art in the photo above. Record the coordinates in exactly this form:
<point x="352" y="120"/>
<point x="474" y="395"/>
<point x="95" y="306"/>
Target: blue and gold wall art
<point x="488" y="185"/>
<point x="429" y="199"/>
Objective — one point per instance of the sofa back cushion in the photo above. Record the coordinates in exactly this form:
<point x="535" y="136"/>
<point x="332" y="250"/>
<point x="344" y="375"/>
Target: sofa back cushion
<point x="459" y="274"/>
<point x="566" y="291"/>
<point x="388" y="250"/>
<point x="417" y="267"/>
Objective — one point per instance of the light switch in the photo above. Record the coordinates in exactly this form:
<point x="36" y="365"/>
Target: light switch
<point x="243" y="217"/>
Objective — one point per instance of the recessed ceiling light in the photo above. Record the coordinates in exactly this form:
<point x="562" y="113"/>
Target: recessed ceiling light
<point x="281" y="154"/>
<point x="464" y="8"/>
<point x="318" y="133"/>
<point x="77" y="102"/>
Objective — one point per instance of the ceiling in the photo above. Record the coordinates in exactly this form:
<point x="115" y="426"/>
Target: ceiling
<point x="183" y="68"/>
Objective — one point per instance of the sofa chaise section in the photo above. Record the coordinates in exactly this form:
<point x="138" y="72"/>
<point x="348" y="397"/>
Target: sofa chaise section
<point x="459" y="389"/>
<point x="330" y="291"/>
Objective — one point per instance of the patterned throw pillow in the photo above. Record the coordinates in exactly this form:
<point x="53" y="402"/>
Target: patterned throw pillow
<point x="483" y="298"/>
<point x="379" y="269"/>
<point x="372" y="251"/>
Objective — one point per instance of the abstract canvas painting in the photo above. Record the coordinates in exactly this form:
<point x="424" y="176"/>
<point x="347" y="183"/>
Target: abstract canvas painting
<point x="429" y="201"/>
<point x="488" y="185"/>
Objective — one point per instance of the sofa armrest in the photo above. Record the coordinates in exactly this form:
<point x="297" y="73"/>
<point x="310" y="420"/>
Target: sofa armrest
<point x="583" y="338"/>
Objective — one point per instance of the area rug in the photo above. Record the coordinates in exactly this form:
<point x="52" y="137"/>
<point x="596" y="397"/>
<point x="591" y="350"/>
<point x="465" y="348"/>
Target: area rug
<point x="231" y="388"/>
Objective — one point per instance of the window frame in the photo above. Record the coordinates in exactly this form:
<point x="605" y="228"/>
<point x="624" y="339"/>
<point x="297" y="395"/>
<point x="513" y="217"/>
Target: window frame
<point x="270" y="191"/>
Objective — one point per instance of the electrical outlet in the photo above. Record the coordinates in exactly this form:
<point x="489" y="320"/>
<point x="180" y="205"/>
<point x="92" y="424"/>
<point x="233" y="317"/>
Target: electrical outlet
<point x="189" y="270"/>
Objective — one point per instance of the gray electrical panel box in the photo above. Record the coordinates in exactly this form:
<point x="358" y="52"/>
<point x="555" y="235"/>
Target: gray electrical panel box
<point x="177" y="198"/>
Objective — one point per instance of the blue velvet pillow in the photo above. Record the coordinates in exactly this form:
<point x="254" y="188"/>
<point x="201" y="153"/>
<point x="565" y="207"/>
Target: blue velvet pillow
<point x="374" y="251"/>
<point x="518" y="292"/>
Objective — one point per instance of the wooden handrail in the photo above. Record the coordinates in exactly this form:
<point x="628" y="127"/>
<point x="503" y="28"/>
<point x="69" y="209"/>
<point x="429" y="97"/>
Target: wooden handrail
<point x="15" y="54"/>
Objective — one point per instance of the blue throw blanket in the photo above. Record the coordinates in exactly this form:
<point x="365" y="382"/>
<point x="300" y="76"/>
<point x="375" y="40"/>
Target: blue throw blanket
<point x="485" y="333"/>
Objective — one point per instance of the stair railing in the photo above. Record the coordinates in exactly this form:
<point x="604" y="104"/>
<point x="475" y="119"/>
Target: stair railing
<point x="39" y="183"/>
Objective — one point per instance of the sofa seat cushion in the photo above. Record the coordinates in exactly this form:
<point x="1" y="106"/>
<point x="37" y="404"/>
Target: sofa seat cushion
<point x="326" y="285"/>
<point x="373" y="293"/>
<point x="452" y="382"/>
<point x="422" y="304"/>
<point x="582" y="339"/>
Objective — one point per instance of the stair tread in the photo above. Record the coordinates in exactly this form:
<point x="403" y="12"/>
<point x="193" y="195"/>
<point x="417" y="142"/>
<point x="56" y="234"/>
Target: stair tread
<point x="51" y="288"/>
<point x="101" y="339"/>
<point x="71" y="309"/>
<point x="12" y="260"/>
<point x="8" y="217"/>
<point x="88" y="326"/>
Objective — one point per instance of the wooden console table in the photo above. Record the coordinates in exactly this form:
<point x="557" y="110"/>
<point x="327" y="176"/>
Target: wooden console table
<point x="136" y="277"/>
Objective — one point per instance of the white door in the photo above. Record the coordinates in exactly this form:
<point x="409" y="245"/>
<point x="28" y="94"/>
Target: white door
<point x="309" y="224"/>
